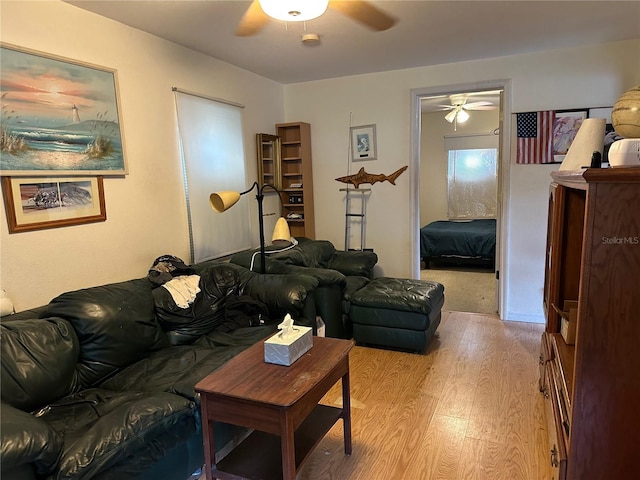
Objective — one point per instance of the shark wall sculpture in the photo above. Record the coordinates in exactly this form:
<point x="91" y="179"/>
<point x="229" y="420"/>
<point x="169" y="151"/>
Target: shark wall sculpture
<point x="364" y="177"/>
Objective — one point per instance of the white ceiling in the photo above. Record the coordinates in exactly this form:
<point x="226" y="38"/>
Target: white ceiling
<point x="427" y="33"/>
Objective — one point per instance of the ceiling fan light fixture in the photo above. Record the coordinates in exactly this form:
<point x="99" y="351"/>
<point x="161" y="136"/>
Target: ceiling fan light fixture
<point x="463" y="116"/>
<point x="451" y="116"/>
<point x="294" y="10"/>
<point x="458" y="114"/>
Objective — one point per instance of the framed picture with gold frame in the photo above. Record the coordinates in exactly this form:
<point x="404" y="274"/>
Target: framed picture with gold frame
<point x="51" y="202"/>
<point x="59" y="116"/>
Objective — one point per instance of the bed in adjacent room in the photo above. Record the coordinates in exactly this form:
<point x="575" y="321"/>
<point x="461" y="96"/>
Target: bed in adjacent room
<point x="464" y="240"/>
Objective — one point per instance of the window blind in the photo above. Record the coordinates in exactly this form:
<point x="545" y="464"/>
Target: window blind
<point x="213" y="159"/>
<point x="472" y="176"/>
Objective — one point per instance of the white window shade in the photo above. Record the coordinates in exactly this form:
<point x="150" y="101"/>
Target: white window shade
<point x="471" y="142"/>
<point x="213" y="157"/>
<point x="472" y="176"/>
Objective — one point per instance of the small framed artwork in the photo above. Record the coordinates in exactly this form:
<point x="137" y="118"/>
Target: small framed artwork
<point x="566" y="124"/>
<point x="363" y="143"/>
<point x="59" y="116"/>
<point x="51" y="202"/>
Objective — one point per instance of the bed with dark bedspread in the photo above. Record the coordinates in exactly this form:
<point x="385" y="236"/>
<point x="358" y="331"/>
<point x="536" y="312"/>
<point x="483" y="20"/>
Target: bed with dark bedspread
<point x="461" y="240"/>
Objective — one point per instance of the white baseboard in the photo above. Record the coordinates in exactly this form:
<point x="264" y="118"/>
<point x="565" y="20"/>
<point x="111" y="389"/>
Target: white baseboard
<point x="523" y="317"/>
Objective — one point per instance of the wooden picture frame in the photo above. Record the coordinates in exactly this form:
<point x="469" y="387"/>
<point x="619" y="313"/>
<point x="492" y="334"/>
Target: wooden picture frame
<point x="50" y="202"/>
<point x="363" y="143"/>
<point x="566" y="124"/>
<point x="59" y="116"/>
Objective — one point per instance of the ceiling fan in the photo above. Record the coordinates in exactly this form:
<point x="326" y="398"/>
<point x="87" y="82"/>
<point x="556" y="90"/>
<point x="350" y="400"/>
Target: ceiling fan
<point x="459" y="106"/>
<point x="261" y="11"/>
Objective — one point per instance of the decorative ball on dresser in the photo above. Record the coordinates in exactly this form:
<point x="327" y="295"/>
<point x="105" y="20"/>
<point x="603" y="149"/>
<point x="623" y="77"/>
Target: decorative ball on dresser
<point x="625" y="118"/>
<point x="626" y="114"/>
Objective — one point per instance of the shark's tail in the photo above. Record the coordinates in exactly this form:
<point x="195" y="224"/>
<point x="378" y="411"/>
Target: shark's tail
<point x="392" y="178"/>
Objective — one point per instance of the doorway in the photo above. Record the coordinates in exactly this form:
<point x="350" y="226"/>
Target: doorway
<point x="473" y="278"/>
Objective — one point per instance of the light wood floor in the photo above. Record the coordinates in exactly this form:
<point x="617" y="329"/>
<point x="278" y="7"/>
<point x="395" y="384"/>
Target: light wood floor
<point x="467" y="409"/>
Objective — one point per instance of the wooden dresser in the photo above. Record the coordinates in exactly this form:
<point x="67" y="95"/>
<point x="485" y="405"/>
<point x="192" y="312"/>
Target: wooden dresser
<point x="592" y="388"/>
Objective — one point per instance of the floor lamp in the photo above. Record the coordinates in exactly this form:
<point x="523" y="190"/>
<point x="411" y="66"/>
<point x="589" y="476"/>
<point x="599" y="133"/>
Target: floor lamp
<point x="222" y="201"/>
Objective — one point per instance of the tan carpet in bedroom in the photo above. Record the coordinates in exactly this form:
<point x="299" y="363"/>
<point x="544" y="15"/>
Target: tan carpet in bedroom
<point x="465" y="290"/>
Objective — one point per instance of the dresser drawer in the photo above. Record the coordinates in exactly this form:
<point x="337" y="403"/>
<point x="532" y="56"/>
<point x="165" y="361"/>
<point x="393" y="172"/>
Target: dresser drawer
<point x="560" y="403"/>
<point x="542" y="363"/>
<point x="563" y="358"/>
<point x="557" y="446"/>
<point x="543" y="360"/>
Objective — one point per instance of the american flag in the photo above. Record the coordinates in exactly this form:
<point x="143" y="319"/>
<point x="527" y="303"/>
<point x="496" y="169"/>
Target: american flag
<point x="535" y="137"/>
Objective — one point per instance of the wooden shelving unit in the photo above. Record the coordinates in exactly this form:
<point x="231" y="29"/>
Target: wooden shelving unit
<point x="268" y="148"/>
<point x="296" y="177"/>
<point x="592" y="388"/>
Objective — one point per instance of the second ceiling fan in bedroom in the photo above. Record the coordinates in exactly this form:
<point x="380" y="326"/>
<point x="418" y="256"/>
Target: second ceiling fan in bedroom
<point x="262" y="11"/>
<point x="460" y="105"/>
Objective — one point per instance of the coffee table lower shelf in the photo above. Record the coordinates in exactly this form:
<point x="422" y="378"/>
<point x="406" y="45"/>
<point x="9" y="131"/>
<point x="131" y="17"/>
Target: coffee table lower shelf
<point x="259" y="456"/>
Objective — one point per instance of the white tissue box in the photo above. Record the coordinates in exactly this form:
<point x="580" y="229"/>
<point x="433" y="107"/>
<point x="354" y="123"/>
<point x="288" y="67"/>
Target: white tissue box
<point x="286" y="350"/>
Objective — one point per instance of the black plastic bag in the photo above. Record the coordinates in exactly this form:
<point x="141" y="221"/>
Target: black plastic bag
<point x="245" y="311"/>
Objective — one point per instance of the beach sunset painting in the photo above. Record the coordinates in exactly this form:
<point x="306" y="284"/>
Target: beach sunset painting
<point x="58" y="117"/>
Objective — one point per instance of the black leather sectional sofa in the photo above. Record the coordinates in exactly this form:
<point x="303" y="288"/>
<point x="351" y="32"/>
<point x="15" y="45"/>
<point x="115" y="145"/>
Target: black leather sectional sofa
<point x="95" y="385"/>
<point x="99" y="383"/>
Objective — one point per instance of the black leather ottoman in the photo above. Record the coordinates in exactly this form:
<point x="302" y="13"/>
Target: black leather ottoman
<point x="397" y="312"/>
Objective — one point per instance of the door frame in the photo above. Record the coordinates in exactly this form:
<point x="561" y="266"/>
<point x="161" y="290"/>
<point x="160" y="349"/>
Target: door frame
<point x="504" y="155"/>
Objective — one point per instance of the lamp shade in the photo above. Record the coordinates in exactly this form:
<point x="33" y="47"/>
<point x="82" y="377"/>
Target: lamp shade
<point x="458" y="114"/>
<point x="450" y="117"/>
<point x="463" y="116"/>
<point x="294" y="10"/>
<point x="589" y="139"/>
<point x="222" y="201"/>
<point x="281" y="233"/>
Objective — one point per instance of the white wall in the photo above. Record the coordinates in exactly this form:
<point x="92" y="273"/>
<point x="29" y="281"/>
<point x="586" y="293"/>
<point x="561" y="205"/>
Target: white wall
<point x="146" y="212"/>
<point x="570" y="78"/>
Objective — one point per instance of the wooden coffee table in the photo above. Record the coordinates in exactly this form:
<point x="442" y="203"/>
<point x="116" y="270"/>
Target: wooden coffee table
<point x="280" y="403"/>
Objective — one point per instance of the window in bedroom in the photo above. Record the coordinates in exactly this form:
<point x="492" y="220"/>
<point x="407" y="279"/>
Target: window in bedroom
<point x="213" y="159"/>
<point x="472" y="181"/>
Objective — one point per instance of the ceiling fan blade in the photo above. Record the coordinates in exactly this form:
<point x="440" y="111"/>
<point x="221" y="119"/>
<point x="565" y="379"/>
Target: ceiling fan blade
<point x="485" y="108"/>
<point x="252" y="21"/>
<point x="445" y="107"/>
<point x="365" y="13"/>
<point x="477" y="105"/>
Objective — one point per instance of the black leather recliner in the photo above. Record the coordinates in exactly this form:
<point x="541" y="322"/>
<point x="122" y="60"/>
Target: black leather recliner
<point x="339" y="273"/>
